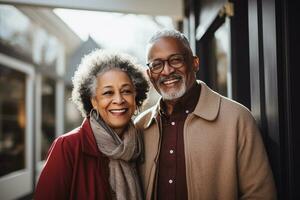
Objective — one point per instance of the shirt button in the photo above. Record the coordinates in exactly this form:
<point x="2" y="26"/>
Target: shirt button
<point x="171" y="151"/>
<point x="187" y="111"/>
<point x="173" y="123"/>
<point x="170" y="181"/>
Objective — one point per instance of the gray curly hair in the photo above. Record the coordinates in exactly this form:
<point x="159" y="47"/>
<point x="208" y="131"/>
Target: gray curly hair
<point x="96" y="63"/>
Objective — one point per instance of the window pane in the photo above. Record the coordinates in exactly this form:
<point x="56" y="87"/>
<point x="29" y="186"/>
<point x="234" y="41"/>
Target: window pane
<point x="24" y="35"/>
<point x="48" y="115"/>
<point x="222" y="60"/>
<point x="12" y="120"/>
<point x="73" y="117"/>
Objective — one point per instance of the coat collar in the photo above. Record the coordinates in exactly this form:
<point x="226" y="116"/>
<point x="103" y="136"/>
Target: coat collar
<point x="207" y="107"/>
<point x="208" y="104"/>
<point x="88" y="141"/>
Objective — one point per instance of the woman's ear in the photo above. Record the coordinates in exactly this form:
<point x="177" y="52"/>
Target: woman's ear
<point x="94" y="102"/>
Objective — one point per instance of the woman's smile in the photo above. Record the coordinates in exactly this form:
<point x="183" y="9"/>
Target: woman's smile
<point x="115" y="98"/>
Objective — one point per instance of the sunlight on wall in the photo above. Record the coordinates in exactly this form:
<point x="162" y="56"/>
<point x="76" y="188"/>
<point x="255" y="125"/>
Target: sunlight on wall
<point x="117" y="31"/>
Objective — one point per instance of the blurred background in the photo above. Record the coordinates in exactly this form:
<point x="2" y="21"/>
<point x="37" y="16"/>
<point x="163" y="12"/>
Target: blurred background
<point x="248" y="52"/>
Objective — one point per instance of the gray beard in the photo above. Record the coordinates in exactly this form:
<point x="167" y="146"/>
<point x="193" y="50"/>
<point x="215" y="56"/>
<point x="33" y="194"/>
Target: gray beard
<point x="171" y="95"/>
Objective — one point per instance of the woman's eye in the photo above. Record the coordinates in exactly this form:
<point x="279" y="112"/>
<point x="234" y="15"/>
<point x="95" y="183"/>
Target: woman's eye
<point x="107" y="93"/>
<point x="127" y="91"/>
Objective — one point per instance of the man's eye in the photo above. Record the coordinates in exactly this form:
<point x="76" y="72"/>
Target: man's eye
<point x="176" y="60"/>
<point x="156" y="64"/>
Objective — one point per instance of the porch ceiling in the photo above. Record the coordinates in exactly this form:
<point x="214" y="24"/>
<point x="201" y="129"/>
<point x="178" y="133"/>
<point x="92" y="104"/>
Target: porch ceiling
<point x="172" y="8"/>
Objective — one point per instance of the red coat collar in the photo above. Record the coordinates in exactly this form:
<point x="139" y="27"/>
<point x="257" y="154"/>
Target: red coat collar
<point x="88" y="141"/>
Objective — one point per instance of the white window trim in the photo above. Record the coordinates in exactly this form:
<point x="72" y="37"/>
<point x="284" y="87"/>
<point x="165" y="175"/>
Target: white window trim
<point x="21" y="180"/>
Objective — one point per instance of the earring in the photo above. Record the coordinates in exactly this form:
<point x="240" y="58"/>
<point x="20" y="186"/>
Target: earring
<point x="136" y="112"/>
<point x="97" y="113"/>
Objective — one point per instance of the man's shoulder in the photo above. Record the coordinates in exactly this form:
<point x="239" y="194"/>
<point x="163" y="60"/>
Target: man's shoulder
<point x="234" y="109"/>
<point x="232" y="104"/>
<point x="227" y="105"/>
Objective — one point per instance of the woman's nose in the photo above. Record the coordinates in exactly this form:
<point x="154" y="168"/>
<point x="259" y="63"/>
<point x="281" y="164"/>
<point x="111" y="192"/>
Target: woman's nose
<point x="118" y="99"/>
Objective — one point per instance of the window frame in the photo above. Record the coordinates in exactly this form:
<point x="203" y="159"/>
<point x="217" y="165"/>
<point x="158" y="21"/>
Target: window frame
<point x="21" y="180"/>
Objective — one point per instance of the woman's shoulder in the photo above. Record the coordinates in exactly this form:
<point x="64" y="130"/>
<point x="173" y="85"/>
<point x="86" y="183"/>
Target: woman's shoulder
<point x="76" y="138"/>
<point x="69" y="140"/>
<point x="71" y="135"/>
<point x="75" y="134"/>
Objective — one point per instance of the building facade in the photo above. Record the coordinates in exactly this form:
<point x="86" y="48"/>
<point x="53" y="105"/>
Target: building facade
<point x="248" y="52"/>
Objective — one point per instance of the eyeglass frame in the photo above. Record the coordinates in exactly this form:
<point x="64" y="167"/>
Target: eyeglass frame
<point x="168" y="61"/>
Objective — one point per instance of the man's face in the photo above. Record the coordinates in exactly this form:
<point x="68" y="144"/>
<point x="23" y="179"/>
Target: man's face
<point x="172" y="82"/>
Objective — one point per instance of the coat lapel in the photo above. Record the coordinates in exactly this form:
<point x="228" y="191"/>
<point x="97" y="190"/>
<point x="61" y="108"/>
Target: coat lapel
<point x="208" y="104"/>
<point x="88" y="141"/>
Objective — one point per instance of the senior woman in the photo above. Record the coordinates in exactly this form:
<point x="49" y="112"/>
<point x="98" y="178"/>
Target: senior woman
<point x="97" y="159"/>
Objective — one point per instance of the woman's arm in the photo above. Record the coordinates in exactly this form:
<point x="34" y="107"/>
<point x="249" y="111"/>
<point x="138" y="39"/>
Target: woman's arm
<point x="56" y="177"/>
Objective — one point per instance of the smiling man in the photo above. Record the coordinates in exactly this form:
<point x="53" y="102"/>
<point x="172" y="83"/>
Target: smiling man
<point x="198" y="144"/>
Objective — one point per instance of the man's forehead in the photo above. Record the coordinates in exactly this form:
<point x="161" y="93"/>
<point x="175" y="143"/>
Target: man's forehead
<point x="167" y="40"/>
<point x="164" y="46"/>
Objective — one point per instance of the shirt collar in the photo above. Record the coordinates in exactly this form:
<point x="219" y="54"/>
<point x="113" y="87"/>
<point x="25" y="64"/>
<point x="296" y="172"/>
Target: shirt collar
<point x="186" y="103"/>
<point x="207" y="107"/>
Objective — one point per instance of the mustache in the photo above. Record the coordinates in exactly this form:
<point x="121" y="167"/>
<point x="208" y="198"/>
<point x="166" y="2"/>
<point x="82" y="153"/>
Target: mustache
<point x="171" y="76"/>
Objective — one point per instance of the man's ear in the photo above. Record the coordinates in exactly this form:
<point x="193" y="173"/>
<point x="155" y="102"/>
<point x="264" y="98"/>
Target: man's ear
<point x="196" y="63"/>
<point x="150" y="76"/>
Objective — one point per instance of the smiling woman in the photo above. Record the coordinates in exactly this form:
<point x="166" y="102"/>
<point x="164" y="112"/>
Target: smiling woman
<point x="115" y="99"/>
<point x="97" y="160"/>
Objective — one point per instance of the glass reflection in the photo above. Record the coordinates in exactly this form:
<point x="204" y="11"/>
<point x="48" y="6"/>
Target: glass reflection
<point x="73" y="117"/>
<point x="222" y="56"/>
<point x="48" y="115"/>
<point x="12" y="120"/>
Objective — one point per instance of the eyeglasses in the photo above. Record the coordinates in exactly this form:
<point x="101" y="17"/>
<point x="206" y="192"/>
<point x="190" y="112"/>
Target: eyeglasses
<point x="176" y="61"/>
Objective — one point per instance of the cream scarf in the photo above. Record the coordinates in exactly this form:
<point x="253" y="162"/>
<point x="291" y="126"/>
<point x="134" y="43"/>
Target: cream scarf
<point x="122" y="154"/>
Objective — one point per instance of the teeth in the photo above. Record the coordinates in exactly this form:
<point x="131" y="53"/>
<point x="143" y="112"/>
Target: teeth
<point x="118" y="111"/>
<point x="170" y="81"/>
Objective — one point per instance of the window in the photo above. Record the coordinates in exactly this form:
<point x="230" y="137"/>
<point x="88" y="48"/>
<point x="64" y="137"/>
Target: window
<point x="73" y="117"/>
<point x="12" y="120"/>
<point x="222" y="56"/>
<point x="16" y="127"/>
<point x="48" y="115"/>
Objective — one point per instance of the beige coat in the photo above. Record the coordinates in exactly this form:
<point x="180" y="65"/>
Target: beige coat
<point x="224" y="153"/>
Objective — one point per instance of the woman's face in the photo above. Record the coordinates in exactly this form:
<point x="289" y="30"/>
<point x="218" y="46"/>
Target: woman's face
<point x="115" y="98"/>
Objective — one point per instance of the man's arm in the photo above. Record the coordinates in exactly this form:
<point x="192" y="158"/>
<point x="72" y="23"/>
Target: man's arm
<point x="255" y="175"/>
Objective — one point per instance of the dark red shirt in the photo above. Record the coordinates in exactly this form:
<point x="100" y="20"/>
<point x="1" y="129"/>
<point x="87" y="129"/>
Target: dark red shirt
<point x="171" y="182"/>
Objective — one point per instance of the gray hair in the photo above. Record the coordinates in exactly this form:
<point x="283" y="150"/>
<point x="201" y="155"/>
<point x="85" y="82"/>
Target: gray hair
<point x="172" y="33"/>
<point x="95" y="64"/>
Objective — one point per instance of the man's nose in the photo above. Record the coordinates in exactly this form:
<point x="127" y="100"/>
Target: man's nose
<point x="167" y="69"/>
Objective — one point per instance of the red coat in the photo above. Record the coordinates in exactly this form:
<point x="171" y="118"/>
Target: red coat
<point x="75" y="168"/>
